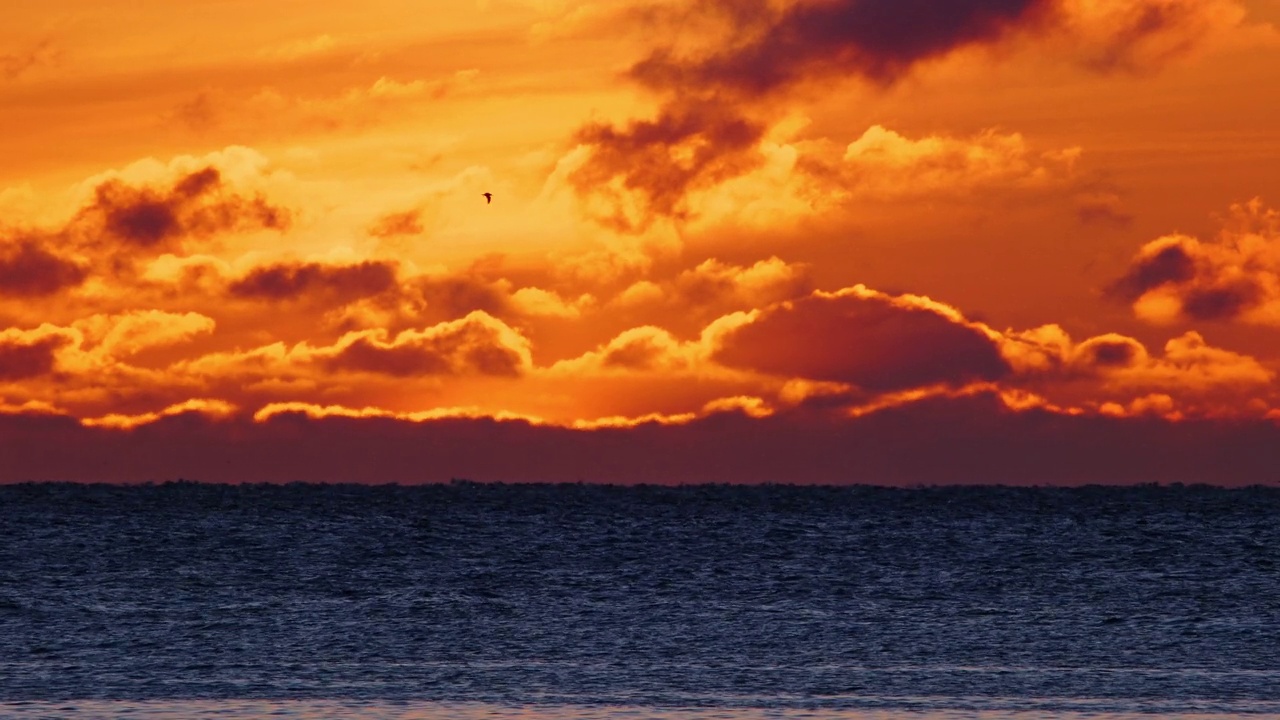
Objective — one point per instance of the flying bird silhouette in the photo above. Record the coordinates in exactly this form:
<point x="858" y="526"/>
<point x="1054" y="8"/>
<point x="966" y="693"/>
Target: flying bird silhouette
<point x="488" y="198"/>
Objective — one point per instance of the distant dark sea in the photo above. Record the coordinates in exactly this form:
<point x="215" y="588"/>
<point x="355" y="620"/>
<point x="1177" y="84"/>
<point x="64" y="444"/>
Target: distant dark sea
<point x="576" y="601"/>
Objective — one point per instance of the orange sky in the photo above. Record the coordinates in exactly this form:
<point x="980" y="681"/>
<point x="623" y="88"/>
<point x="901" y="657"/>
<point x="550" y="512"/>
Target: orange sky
<point x="843" y="220"/>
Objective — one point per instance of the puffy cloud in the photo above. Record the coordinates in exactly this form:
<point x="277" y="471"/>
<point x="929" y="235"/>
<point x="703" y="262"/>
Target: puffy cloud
<point x="91" y="366"/>
<point x="773" y="48"/>
<point x="129" y="220"/>
<point x="194" y="206"/>
<point x="536" y="302"/>
<point x="28" y="270"/>
<point x="292" y="281"/>
<point x="1113" y="371"/>
<point x="1234" y="276"/>
<point x="721" y="93"/>
<point x="883" y="164"/>
<point x="715" y="287"/>
<point x="1189" y="363"/>
<point x="644" y="170"/>
<point x="477" y="344"/>
<point x="642" y="349"/>
<point x="28" y="354"/>
<point x="121" y="335"/>
<point x="864" y="338"/>
<point x="766" y="47"/>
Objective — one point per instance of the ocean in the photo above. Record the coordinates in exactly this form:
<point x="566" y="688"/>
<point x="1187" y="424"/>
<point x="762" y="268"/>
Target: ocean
<point x="468" y="600"/>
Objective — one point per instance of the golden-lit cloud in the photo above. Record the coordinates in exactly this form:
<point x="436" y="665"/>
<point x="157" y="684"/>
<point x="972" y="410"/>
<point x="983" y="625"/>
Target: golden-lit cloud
<point x="714" y="287"/>
<point x="1114" y="371"/>
<point x="1234" y="276"/>
<point x="883" y="164"/>
<point x="216" y="409"/>
<point x="476" y="344"/>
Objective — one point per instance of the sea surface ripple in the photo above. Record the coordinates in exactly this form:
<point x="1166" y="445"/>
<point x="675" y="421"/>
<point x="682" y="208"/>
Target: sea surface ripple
<point x="1099" y="600"/>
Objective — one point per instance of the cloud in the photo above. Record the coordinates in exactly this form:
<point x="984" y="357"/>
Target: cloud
<point x="875" y="341"/>
<point x="776" y="48"/>
<point x="765" y="48"/>
<point x="1232" y="277"/>
<point x="122" y="335"/>
<point x="722" y="92"/>
<point x="293" y="281"/>
<point x="160" y="219"/>
<point x="215" y="409"/>
<point x="646" y="168"/>
<point x="536" y="302"/>
<point x="477" y="344"/>
<point x="714" y="288"/>
<point x="28" y="354"/>
<point x="883" y="164"/>
<point x="1113" y="370"/>
<point x="27" y="270"/>
<point x="1141" y="35"/>
<point x="89" y="365"/>
<point x="641" y="349"/>
<point x="976" y="438"/>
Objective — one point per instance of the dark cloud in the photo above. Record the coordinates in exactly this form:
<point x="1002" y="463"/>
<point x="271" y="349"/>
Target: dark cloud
<point x="1222" y="301"/>
<point x="1225" y="278"/>
<point x="27" y="270"/>
<point x="706" y="132"/>
<point x="880" y="40"/>
<point x="712" y="139"/>
<point x="756" y="55"/>
<point x="970" y="440"/>
<point x="22" y="358"/>
<point x="871" y="342"/>
<point x="154" y="219"/>
<point x="290" y="281"/>
<point x="1109" y="352"/>
<point x="453" y="296"/>
<point x="1170" y="264"/>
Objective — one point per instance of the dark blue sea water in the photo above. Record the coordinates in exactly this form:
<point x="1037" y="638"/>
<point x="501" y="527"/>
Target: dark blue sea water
<point x="470" y="600"/>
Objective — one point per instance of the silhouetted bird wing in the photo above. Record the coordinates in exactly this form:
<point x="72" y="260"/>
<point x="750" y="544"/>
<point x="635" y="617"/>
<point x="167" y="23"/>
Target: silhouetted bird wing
<point x="488" y="198"/>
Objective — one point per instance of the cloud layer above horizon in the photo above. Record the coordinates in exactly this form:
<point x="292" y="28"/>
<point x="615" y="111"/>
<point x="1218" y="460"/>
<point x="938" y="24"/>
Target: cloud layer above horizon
<point x="749" y="251"/>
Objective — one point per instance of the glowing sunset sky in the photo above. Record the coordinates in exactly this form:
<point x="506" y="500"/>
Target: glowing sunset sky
<point x="760" y="240"/>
